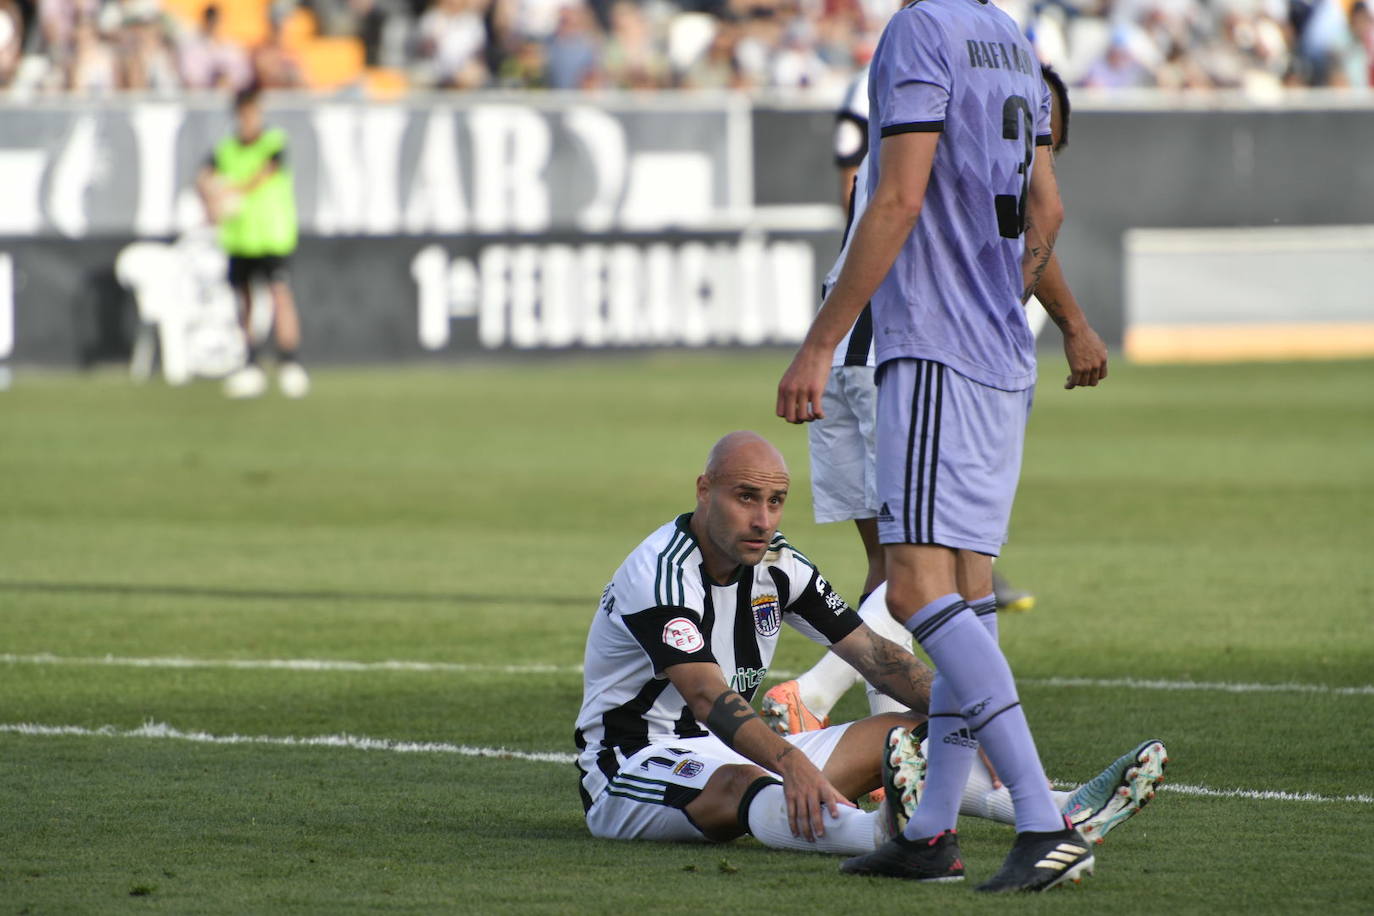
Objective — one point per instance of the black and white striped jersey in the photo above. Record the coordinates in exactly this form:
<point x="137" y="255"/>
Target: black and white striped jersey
<point x="851" y="150"/>
<point x="660" y="610"/>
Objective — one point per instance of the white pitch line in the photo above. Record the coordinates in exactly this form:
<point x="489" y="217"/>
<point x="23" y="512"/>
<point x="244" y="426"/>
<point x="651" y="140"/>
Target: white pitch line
<point x="285" y="664"/>
<point x="325" y="664"/>
<point x="1210" y="686"/>
<point x="357" y="742"/>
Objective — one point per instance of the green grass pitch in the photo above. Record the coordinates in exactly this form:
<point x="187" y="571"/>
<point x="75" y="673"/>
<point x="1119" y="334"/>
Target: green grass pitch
<point x="1205" y="525"/>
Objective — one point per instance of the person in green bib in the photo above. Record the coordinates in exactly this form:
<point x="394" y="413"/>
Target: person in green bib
<point x="247" y="190"/>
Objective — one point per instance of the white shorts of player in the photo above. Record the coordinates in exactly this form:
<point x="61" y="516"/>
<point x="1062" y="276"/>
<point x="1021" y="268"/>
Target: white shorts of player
<point x="843" y="457"/>
<point x="640" y="801"/>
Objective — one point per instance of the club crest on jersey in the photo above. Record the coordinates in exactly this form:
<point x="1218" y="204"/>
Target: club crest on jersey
<point x="689" y="768"/>
<point x="682" y="634"/>
<point x="767" y="615"/>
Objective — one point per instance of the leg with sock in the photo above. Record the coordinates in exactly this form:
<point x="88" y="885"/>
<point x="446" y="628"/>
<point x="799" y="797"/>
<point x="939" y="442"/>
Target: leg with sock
<point x="965" y="654"/>
<point x="951" y="752"/>
<point x="764" y="810"/>
<point x="980" y="798"/>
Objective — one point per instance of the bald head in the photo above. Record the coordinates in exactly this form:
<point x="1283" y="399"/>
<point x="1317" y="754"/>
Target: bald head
<point x="743" y="449"/>
<point x="739" y="502"/>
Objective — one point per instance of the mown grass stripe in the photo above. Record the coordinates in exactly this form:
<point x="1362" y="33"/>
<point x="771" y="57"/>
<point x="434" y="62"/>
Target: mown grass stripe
<point x="328" y="664"/>
<point x="160" y="730"/>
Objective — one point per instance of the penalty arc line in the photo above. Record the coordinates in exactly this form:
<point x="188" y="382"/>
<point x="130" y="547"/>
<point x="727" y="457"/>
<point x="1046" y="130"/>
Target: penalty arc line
<point x="157" y="730"/>
<point x="325" y="664"/>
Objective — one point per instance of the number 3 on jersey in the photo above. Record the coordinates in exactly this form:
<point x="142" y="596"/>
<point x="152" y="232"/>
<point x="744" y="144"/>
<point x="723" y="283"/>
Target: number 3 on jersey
<point x="1017" y="124"/>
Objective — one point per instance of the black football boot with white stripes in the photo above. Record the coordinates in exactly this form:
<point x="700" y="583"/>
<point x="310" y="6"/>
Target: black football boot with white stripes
<point x="1040" y="861"/>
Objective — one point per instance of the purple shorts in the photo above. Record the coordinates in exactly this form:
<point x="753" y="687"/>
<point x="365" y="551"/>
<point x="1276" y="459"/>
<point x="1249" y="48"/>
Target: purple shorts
<point x="949" y="456"/>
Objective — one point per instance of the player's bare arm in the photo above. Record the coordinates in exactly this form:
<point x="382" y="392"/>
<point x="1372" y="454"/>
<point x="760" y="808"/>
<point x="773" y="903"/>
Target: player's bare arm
<point x="731" y="719"/>
<point x="904" y="169"/>
<point x="1083" y="348"/>
<point x="270" y="168"/>
<point x="207" y="188"/>
<point x="1044" y="216"/>
<point x="891" y="668"/>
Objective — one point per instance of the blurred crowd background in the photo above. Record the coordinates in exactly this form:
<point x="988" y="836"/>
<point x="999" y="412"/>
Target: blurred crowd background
<point x="93" y="48"/>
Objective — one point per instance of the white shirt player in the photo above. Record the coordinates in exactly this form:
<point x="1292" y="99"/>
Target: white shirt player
<point x="851" y="149"/>
<point x="660" y="610"/>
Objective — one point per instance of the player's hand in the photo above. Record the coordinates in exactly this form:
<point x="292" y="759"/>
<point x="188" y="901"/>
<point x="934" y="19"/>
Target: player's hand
<point x="810" y="796"/>
<point x="802" y="385"/>
<point x="1087" y="356"/>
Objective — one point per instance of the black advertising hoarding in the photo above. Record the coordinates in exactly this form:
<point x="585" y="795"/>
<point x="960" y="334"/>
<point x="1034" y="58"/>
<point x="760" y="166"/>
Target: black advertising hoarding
<point x="432" y="227"/>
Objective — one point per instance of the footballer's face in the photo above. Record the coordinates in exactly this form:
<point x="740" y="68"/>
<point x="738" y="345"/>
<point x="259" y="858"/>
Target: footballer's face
<point x="739" y="506"/>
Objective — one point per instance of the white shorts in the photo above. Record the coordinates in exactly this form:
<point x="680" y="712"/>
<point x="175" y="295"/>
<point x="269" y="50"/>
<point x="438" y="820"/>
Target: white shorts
<point x="645" y="800"/>
<point x="843" y="456"/>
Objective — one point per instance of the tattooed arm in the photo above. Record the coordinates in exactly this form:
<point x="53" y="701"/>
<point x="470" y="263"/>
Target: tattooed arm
<point x="1085" y="351"/>
<point x="731" y="719"/>
<point x="887" y="666"/>
<point x="1044" y="215"/>
<point x="1042" y="276"/>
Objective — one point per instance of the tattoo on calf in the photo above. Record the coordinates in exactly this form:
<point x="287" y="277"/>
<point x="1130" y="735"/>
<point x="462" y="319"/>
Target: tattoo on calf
<point x="728" y="713"/>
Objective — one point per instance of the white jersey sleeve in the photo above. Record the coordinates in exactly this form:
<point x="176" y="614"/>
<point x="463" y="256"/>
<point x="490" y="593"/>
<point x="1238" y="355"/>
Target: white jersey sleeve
<point x="851" y="123"/>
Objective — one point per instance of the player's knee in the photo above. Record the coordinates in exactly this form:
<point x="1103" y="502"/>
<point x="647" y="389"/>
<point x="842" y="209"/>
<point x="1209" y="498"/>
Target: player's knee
<point x="716" y="810"/>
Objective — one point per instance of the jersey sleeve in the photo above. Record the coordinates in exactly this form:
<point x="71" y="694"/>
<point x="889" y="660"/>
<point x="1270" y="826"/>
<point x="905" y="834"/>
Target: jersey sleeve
<point x="669" y="636"/>
<point x="851" y="123"/>
<point x="814" y="608"/>
<point x="1043" y="135"/>
<point x="911" y="75"/>
<point x="851" y="140"/>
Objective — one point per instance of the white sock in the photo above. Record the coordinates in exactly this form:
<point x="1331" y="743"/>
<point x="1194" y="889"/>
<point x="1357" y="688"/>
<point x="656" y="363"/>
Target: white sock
<point x="825" y="682"/>
<point x="874" y="613"/>
<point x="980" y="799"/>
<point x="854" y="832"/>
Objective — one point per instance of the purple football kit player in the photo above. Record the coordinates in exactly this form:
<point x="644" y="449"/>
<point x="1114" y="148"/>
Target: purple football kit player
<point x="958" y="231"/>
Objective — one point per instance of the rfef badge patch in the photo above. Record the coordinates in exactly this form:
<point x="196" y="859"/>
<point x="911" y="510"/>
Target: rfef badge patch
<point x="682" y="634"/>
<point x="767" y="615"/>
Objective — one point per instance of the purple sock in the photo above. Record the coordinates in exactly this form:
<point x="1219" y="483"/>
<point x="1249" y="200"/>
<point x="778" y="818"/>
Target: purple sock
<point x="966" y="655"/>
<point x="986" y="611"/>
<point x="950" y="753"/>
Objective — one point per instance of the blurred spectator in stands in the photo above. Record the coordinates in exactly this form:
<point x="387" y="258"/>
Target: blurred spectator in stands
<point x="761" y="33"/>
<point x="451" y="44"/>
<point x="718" y="66"/>
<point x="370" y="20"/>
<point x="537" y="19"/>
<point x="574" y="50"/>
<point x="841" y="39"/>
<point x="11" y="40"/>
<point x="57" y="23"/>
<point x="1181" y="70"/>
<point x="1360" y="59"/>
<point x="795" y="63"/>
<point x="94" y="65"/>
<point x="148" y="63"/>
<point x="1120" y="67"/>
<point x="633" y="59"/>
<point x="274" y="66"/>
<point x="1322" y="35"/>
<point x="210" y="62"/>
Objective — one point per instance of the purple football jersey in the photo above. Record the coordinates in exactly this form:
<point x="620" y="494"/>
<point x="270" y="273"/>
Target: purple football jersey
<point x="961" y="68"/>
